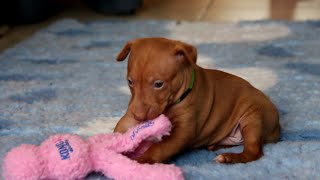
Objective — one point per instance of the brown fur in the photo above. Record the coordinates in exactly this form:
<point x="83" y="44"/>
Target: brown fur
<point x="217" y="102"/>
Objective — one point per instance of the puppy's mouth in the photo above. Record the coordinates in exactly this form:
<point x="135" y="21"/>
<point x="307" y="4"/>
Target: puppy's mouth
<point x="148" y="115"/>
<point x="149" y="112"/>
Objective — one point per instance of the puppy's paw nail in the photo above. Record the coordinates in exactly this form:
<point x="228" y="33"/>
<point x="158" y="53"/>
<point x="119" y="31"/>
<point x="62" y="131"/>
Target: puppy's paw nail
<point x="219" y="159"/>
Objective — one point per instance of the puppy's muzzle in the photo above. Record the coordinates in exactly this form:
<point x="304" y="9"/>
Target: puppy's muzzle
<point x="140" y="116"/>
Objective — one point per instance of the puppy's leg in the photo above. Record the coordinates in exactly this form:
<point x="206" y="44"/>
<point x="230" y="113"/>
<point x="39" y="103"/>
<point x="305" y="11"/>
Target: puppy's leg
<point x="274" y="136"/>
<point x="251" y="129"/>
<point x="217" y="147"/>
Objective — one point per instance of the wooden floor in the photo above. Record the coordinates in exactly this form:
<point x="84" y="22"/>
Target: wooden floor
<point x="230" y="10"/>
<point x="188" y="10"/>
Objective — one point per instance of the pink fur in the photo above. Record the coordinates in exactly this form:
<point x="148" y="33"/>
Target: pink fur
<point x="67" y="157"/>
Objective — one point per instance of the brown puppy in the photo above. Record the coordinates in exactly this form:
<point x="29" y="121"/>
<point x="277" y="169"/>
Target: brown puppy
<point x="208" y="108"/>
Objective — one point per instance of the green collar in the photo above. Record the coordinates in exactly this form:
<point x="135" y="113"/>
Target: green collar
<point x="184" y="95"/>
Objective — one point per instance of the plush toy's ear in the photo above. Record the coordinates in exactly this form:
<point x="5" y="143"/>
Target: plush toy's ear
<point x="186" y="51"/>
<point x="125" y="51"/>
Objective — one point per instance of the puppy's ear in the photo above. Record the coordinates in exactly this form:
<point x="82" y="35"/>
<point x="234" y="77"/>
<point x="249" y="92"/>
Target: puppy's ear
<point x="124" y="51"/>
<point x="186" y="51"/>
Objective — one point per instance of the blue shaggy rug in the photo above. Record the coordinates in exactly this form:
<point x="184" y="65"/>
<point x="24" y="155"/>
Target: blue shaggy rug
<point x="64" y="79"/>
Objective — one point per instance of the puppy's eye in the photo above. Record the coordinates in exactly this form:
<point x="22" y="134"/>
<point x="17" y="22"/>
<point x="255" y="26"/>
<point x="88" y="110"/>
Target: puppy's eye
<point x="158" y="84"/>
<point x="130" y="82"/>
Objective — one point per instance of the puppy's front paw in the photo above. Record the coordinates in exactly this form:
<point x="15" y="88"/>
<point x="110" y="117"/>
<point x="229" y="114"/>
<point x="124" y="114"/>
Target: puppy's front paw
<point x="151" y="156"/>
<point x="145" y="160"/>
<point x="230" y="158"/>
<point x="220" y="159"/>
<point x="227" y="158"/>
<point x="147" y="157"/>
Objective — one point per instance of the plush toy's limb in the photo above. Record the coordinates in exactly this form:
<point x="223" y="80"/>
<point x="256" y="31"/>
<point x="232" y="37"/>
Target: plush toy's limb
<point x="171" y="145"/>
<point x="149" y="130"/>
<point x="109" y="160"/>
<point x="119" y="167"/>
<point x="23" y="163"/>
<point x="130" y="140"/>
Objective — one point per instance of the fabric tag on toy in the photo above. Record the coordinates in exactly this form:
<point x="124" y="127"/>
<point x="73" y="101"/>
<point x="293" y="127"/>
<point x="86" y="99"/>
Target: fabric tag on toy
<point x="64" y="148"/>
<point x="147" y="124"/>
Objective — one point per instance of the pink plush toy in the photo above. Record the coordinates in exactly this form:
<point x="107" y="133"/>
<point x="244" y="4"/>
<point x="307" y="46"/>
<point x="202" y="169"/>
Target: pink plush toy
<point x="68" y="157"/>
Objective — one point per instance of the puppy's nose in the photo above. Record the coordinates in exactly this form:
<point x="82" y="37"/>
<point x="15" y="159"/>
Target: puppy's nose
<point x="140" y="116"/>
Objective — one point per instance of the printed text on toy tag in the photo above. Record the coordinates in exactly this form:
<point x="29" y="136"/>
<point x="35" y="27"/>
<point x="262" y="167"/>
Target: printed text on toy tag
<point x="143" y="126"/>
<point x="64" y="148"/>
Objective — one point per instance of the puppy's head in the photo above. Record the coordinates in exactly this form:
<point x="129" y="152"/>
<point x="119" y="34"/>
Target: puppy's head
<point x="156" y="73"/>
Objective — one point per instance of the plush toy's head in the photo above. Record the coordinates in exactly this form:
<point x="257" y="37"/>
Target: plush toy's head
<point x="55" y="158"/>
<point x="23" y="162"/>
<point x="67" y="157"/>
